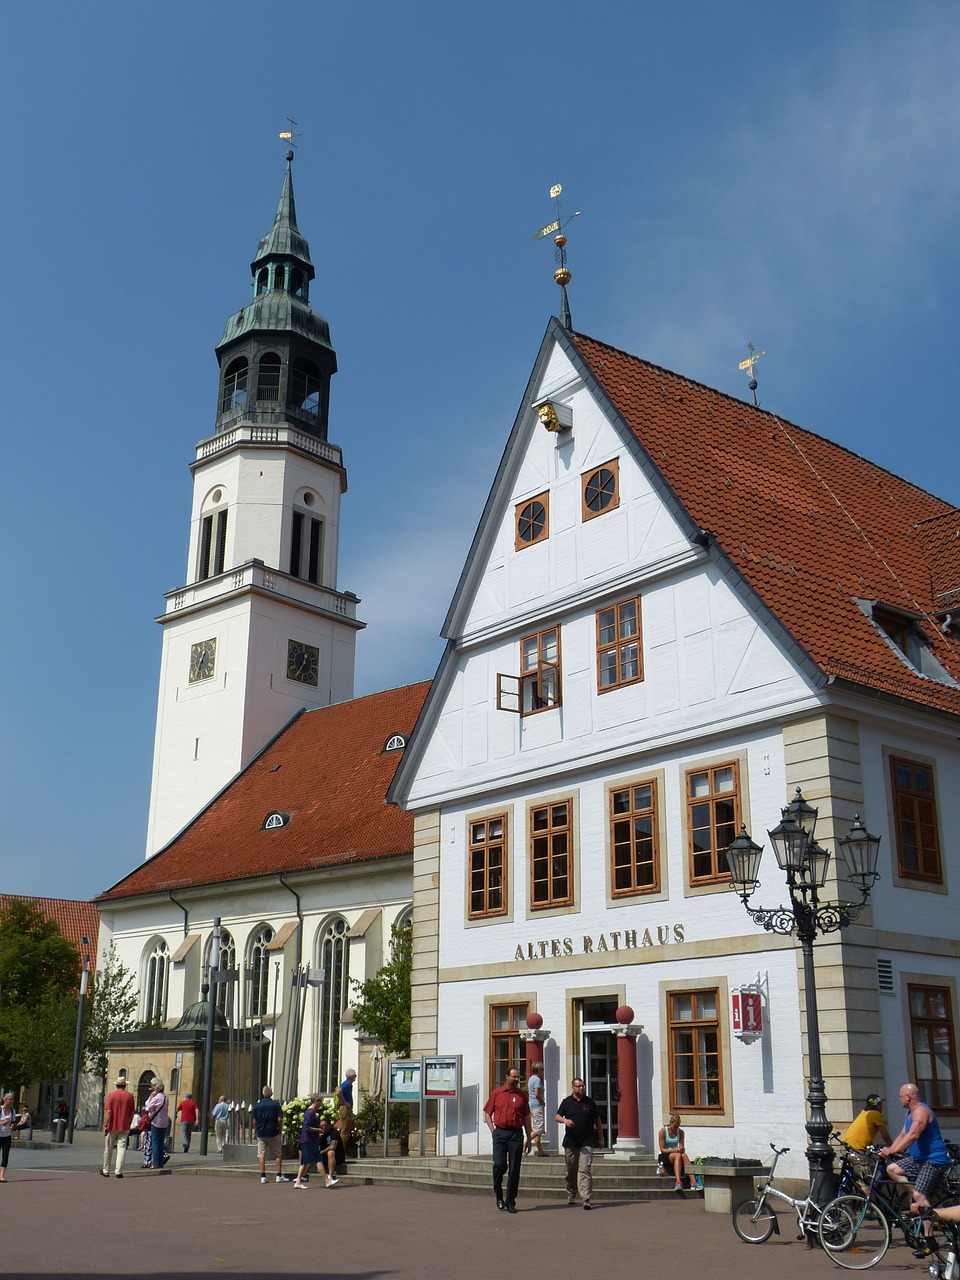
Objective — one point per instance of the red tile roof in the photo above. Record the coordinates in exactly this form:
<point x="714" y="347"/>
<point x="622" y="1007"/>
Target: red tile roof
<point x="75" y="920"/>
<point x="810" y="525"/>
<point x="328" y="770"/>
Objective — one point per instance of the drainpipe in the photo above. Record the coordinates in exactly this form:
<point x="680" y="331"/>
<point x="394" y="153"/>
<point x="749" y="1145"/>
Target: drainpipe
<point x="186" y="914"/>
<point x="299" y="918"/>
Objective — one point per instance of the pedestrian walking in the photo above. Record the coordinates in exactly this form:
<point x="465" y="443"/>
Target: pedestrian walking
<point x="583" y="1133"/>
<point x="538" y="1112"/>
<point x="507" y="1116"/>
<point x="188" y="1111"/>
<point x="220" y="1115"/>
<point x="8" y="1117"/>
<point x="117" y="1115"/>
<point x="310" y="1148"/>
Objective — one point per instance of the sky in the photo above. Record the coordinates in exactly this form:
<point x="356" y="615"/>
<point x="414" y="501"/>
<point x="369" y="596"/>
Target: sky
<point x="787" y="175"/>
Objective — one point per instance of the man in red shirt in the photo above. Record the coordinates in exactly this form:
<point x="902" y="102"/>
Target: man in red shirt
<point x="117" y="1115"/>
<point x="507" y="1116"/>
<point x="188" y="1111"/>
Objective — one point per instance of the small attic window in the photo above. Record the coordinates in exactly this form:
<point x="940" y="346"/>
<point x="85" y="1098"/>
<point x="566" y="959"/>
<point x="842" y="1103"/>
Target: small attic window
<point x="903" y="632"/>
<point x="274" y="820"/>
<point x="396" y="742"/>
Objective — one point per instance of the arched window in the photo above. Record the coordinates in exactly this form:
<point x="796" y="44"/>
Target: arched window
<point x="263" y="280"/>
<point x="279" y="275"/>
<point x="268" y="378"/>
<point x="396" y="742"/>
<point x="226" y="959"/>
<point x="333" y="958"/>
<point x="405" y="919"/>
<point x="296" y="283"/>
<point x="155" y="984"/>
<point x="306" y="387"/>
<point x="234" y="386"/>
<point x="259" y="965"/>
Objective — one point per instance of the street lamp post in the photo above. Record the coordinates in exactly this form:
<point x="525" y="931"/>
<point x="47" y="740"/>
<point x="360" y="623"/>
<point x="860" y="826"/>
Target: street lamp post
<point x="78" y="1041"/>
<point x="806" y="864"/>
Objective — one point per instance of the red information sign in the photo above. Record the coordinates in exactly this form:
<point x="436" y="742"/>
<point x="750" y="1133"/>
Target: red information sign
<point x="747" y="1013"/>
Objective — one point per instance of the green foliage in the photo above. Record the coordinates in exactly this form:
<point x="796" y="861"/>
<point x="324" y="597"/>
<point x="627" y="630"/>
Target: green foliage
<point x="110" y="1008"/>
<point x="370" y="1117"/>
<point x="39" y="980"/>
<point x="293" y="1115"/>
<point x="381" y="1006"/>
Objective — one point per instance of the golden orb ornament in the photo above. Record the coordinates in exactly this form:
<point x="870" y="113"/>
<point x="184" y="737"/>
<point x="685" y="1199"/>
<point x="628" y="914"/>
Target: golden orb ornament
<point x="562" y="275"/>
<point x="560" y="241"/>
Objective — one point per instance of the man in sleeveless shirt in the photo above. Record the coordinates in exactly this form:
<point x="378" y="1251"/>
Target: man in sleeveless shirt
<point x="927" y="1160"/>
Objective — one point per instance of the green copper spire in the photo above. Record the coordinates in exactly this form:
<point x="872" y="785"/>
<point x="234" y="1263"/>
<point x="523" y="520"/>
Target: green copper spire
<point x="284" y="238"/>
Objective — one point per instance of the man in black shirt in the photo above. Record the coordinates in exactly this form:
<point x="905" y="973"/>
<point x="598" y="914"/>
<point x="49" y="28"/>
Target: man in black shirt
<point x="583" y="1130"/>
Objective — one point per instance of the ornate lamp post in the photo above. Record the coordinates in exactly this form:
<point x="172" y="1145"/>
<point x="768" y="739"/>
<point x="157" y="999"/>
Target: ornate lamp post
<point x="806" y="864"/>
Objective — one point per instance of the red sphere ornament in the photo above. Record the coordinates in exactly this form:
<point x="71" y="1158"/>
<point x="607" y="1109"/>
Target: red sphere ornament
<point x="624" y="1015"/>
<point x="534" y="1021"/>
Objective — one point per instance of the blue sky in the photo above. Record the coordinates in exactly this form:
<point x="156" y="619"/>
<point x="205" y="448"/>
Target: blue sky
<point x="787" y="175"/>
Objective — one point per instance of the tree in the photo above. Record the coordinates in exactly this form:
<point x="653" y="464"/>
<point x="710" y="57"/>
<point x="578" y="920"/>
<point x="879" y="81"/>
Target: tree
<point x="112" y="1006"/>
<point x="39" y="978"/>
<point x="382" y="1007"/>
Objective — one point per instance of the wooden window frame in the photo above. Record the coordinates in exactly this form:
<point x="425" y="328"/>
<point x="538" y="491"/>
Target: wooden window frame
<point x="618" y="645"/>
<point x="650" y="811"/>
<point x="549" y="835"/>
<point x="720" y="873"/>
<point x="927" y="1022"/>
<point x="483" y="849"/>
<point x="499" y="1065"/>
<point x="520" y="543"/>
<point x="914" y="798"/>
<point x="532" y="679"/>
<point x="699" y="1027"/>
<point x="613" y="466"/>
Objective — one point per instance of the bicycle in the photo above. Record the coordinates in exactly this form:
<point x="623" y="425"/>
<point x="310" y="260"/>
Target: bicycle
<point x="857" y="1227"/>
<point x="754" y="1223"/>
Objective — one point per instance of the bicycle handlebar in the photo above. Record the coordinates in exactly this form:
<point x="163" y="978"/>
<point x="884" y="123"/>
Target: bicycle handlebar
<point x="781" y="1151"/>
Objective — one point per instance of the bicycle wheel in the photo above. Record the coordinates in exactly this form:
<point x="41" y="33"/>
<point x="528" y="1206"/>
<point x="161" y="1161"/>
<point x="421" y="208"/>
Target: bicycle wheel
<point x="867" y="1239"/>
<point x="753" y="1221"/>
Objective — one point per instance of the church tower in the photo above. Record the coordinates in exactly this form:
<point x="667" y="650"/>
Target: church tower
<point x="260" y="629"/>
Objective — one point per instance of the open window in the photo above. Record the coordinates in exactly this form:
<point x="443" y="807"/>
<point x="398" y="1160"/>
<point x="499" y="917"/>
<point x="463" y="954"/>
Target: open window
<point x="537" y="686"/>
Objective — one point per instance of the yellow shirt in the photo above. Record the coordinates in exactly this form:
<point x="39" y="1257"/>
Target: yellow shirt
<point x="863" y="1130"/>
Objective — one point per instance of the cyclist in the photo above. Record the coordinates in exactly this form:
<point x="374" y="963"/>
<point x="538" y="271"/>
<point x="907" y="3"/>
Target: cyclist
<point x="928" y="1160"/>
<point x="867" y="1125"/>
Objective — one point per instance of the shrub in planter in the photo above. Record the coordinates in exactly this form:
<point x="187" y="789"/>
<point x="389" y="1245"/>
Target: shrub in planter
<point x="293" y="1113"/>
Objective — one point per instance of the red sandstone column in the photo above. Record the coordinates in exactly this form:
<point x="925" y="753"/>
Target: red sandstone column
<point x="628" y="1143"/>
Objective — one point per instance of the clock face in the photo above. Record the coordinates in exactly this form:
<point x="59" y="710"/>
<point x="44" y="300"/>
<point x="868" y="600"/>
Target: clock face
<point x="303" y="662"/>
<point x="203" y="660"/>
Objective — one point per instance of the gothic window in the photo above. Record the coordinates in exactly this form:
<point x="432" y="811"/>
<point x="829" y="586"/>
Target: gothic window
<point x="259" y="966"/>
<point x="226" y="961"/>
<point x="155" y="984"/>
<point x="306" y="387"/>
<point x="333" y="959"/>
<point x="268" y="378"/>
<point x="234" y="386"/>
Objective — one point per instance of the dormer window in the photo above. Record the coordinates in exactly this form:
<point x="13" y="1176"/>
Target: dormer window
<point x="396" y="742"/>
<point x="903" y="632"/>
<point x="275" y="820"/>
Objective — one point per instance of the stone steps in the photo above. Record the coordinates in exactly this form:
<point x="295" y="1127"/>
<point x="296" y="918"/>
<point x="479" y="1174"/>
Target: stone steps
<point x="542" y="1178"/>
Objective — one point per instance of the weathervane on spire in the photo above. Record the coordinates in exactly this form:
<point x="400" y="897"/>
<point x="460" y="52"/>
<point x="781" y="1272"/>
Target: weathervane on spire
<point x="562" y="274"/>
<point x="288" y="135"/>
<point x="748" y="368"/>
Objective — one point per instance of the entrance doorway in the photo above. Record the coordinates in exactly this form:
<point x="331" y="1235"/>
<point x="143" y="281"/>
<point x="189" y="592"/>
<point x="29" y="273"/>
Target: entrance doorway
<point x="599" y="1058"/>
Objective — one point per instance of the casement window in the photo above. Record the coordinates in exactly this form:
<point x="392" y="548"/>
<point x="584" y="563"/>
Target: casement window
<point x="551" y="855"/>
<point x="693" y="1032"/>
<point x="600" y="490"/>
<point x="619" y="645"/>
<point x="934" y="1045"/>
<point x="537" y="687"/>
<point x="306" y="541"/>
<point x="532" y="521"/>
<point x="634" y="840"/>
<point x="213" y="547"/>
<point x="713" y="820"/>
<point x="915" y="818"/>
<point x="487" y="867"/>
<point x="506" y="1048"/>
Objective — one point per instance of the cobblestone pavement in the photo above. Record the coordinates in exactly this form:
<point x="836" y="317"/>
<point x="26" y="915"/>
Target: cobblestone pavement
<point x="60" y="1221"/>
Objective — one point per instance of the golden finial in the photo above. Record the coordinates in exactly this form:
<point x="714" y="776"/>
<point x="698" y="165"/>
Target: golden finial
<point x="562" y="274"/>
<point x="747" y="366"/>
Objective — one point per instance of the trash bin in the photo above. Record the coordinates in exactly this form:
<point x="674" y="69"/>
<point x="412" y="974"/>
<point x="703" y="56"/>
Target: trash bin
<point x="59" y="1129"/>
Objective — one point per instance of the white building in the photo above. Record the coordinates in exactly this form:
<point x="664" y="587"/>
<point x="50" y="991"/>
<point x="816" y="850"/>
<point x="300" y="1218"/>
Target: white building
<point x="678" y="609"/>
<point x="271" y="820"/>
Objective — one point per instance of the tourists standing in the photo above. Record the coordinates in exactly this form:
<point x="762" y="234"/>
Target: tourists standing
<point x="268" y="1126"/>
<point x="117" y="1115"/>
